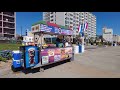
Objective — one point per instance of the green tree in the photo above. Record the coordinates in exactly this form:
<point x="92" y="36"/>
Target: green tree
<point x="91" y="40"/>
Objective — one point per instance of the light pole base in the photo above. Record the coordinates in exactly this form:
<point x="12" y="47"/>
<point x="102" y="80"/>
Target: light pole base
<point x="81" y="48"/>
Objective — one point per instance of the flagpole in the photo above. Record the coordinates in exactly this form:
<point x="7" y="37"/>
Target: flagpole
<point x="82" y="35"/>
<point x="83" y="26"/>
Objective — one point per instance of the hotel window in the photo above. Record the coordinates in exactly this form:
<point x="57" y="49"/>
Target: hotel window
<point x="70" y="26"/>
<point x="71" y="19"/>
<point x="66" y="22"/>
<point x="71" y="15"/>
<point x="51" y="16"/>
<point x="70" y="22"/>
<point x="51" y="19"/>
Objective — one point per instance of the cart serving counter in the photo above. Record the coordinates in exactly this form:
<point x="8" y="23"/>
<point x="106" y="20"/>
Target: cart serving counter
<point x="44" y="54"/>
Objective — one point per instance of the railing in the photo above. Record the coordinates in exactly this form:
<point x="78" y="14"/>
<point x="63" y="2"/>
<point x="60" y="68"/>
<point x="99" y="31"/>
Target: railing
<point x="8" y="13"/>
<point x="9" y="21"/>
<point x="12" y="27"/>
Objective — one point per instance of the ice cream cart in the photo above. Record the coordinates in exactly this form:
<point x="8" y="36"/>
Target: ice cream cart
<point x="42" y="55"/>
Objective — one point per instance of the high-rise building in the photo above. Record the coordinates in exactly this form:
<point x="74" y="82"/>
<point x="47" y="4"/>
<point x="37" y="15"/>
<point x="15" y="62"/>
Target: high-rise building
<point x="8" y="24"/>
<point x="73" y="20"/>
<point x="108" y="34"/>
<point x="116" y="38"/>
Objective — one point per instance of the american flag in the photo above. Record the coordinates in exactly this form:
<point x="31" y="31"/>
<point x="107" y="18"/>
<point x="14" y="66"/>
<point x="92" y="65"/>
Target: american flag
<point x="83" y="27"/>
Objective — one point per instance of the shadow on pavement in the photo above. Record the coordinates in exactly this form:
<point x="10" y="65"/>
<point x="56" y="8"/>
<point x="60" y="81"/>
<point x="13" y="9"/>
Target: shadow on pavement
<point x="35" y="70"/>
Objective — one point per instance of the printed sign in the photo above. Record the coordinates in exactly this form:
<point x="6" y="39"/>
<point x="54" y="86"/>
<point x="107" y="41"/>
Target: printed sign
<point x="36" y="28"/>
<point x="45" y="28"/>
<point x="51" y="52"/>
<point x="63" y="31"/>
<point x="59" y="31"/>
<point x="68" y="50"/>
<point x="51" y="59"/>
<point x="63" y="54"/>
<point x="31" y="53"/>
<point x="45" y="59"/>
<point x="57" y="51"/>
<point x="57" y="57"/>
<point x="56" y="30"/>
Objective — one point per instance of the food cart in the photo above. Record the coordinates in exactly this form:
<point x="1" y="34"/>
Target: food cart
<point x="41" y="54"/>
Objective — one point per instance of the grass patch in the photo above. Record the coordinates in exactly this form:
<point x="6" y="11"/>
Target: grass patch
<point x="9" y="46"/>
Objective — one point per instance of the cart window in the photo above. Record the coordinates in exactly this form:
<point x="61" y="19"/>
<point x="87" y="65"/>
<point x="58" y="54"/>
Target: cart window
<point x="50" y="40"/>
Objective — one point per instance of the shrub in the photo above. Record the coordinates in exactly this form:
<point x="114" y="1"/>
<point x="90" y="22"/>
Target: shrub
<point x="3" y="59"/>
<point x="99" y="44"/>
<point x="109" y="43"/>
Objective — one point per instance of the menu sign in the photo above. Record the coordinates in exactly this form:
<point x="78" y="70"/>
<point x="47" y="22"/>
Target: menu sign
<point x="45" y="28"/>
<point x="51" y="29"/>
<point x="35" y="28"/>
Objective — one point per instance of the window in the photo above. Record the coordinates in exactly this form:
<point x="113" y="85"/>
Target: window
<point x="71" y="15"/>
<point x="71" y="19"/>
<point x="70" y="26"/>
<point x="66" y="22"/>
<point x="51" y="19"/>
<point x="51" y="16"/>
<point x="66" y="25"/>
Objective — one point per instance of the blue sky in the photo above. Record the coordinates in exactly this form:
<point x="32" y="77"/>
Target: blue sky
<point x="26" y="19"/>
<point x="109" y="19"/>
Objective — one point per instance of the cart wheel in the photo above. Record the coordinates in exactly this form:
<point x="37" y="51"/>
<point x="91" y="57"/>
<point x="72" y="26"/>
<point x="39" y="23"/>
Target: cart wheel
<point x="69" y="60"/>
<point x="41" y="69"/>
<point x="13" y="69"/>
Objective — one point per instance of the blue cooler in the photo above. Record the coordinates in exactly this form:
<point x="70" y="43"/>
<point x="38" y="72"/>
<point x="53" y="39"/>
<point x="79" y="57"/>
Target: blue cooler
<point x="16" y="59"/>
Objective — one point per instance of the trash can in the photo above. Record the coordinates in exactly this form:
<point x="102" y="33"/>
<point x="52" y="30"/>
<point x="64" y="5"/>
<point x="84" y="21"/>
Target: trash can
<point x="76" y="49"/>
<point x="16" y="57"/>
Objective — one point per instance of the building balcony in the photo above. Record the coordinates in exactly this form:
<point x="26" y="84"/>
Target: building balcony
<point x="10" y="33"/>
<point x="9" y="27"/>
<point x="8" y="15"/>
<point x="8" y="21"/>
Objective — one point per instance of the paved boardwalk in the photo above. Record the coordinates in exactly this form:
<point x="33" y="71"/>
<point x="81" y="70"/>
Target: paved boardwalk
<point x="101" y="62"/>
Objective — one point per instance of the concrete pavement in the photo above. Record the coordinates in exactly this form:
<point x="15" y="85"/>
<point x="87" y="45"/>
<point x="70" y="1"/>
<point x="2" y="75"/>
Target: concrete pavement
<point x="101" y="62"/>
